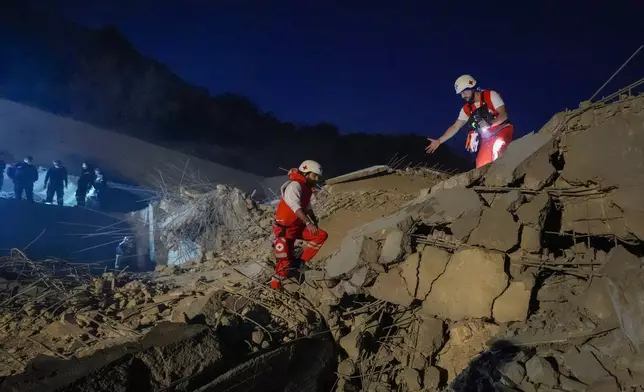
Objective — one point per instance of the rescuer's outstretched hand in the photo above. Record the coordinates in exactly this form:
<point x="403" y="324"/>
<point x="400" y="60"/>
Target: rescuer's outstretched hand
<point x="433" y="145"/>
<point x="312" y="228"/>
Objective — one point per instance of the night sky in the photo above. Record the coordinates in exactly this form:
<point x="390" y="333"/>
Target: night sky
<point x="385" y="66"/>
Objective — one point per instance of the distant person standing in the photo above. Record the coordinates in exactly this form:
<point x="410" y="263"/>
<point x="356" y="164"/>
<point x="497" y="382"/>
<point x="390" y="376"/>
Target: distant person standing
<point x="85" y="181"/>
<point x="23" y="174"/>
<point x="56" y="183"/>
<point x="97" y="193"/>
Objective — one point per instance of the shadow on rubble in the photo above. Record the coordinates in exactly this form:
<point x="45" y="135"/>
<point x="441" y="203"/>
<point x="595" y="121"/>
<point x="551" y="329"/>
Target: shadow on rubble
<point x="485" y="372"/>
<point x="72" y="234"/>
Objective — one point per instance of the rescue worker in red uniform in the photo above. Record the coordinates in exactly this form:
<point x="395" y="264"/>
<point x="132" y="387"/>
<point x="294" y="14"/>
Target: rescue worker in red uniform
<point x="484" y="111"/>
<point x="294" y="219"/>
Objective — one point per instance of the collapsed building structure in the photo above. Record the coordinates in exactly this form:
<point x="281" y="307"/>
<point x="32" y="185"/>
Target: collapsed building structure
<point x="524" y="275"/>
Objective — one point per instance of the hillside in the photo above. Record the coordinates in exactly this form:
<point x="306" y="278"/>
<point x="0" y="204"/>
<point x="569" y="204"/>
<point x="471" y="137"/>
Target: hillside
<point x="98" y="77"/>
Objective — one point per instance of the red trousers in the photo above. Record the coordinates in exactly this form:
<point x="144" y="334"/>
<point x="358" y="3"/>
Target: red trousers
<point x="283" y="246"/>
<point x="492" y="148"/>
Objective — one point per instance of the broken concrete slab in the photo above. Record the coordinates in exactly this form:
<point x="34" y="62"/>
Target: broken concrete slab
<point x="508" y="201"/>
<point x="608" y="384"/>
<point x="625" y="283"/>
<point x="630" y="201"/>
<point x="513" y="304"/>
<point x="473" y="279"/>
<point x="530" y="239"/>
<point x="616" y="345"/>
<point x="391" y="287"/>
<point x="514" y="372"/>
<point x="410" y="378"/>
<point x="584" y="366"/>
<point x="432" y="378"/>
<point x="535" y="211"/>
<point x="540" y="371"/>
<point x="503" y="171"/>
<point x="594" y="216"/>
<point x="421" y="269"/>
<point x="392" y="247"/>
<point x="609" y="154"/>
<point x="462" y="227"/>
<point x="430" y="336"/>
<point x="409" y="273"/>
<point x="596" y="301"/>
<point x="537" y="170"/>
<point x="462" y="180"/>
<point x="402" y="220"/>
<point x="497" y="230"/>
<point x="432" y="264"/>
<point x="358" y="174"/>
<point x="450" y="204"/>
<point x="354" y="252"/>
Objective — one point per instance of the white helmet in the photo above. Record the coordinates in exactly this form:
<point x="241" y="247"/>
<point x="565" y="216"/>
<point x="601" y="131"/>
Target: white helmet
<point x="463" y="83"/>
<point x="311" y="166"/>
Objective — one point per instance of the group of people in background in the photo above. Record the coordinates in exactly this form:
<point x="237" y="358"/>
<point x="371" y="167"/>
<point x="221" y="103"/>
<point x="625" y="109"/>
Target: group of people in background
<point x="24" y="174"/>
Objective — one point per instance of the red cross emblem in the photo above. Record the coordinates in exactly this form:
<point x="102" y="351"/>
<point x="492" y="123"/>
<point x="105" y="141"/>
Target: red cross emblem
<point x="304" y="167"/>
<point x="471" y="82"/>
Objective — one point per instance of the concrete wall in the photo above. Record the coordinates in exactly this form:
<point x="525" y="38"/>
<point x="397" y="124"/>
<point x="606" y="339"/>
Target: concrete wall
<point x="28" y="131"/>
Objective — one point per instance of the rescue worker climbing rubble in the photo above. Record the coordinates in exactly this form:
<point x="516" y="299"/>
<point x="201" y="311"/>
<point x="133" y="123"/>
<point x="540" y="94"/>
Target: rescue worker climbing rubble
<point x="295" y="219"/>
<point x="485" y="113"/>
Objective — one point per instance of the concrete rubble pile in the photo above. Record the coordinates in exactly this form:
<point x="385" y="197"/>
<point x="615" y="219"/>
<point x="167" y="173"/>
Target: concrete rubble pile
<point x="224" y="218"/>
<point x="174" y="325"/>
<point x="538" y="254"/>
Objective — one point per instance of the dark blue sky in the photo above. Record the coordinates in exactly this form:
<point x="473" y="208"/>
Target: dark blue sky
<point x="385" y="66"/>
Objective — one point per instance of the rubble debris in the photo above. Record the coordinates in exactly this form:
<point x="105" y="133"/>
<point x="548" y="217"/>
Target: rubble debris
<point x="473" y="279"/>
<point x="516" y="276"/>
<point x="212" y="219"/>
<point x="466" y="340"/>
<point x="194" y="348"/>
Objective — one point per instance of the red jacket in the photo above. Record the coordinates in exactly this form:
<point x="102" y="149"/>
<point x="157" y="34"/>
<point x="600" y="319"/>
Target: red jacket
<point x="285" y="216"/>
<point x="486" y="100"/>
